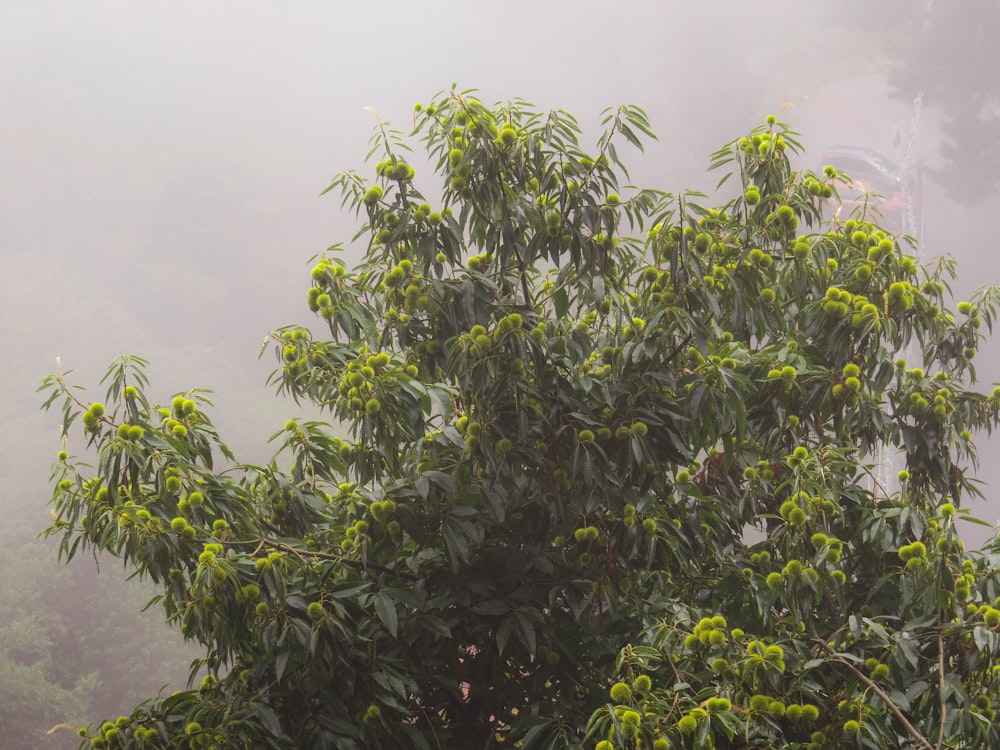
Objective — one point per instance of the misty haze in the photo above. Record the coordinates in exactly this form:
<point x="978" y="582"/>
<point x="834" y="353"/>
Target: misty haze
<point x="159" y="196"/>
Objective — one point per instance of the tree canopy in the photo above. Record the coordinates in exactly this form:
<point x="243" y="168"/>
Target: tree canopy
<point x="600" y="470"/>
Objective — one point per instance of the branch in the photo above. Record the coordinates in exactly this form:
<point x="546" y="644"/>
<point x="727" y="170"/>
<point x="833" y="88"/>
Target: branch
<point x="358" y="564"/>
<point x="944" y="709"/>
<point x="919" y="738"/>
<point x="677" y="349"/>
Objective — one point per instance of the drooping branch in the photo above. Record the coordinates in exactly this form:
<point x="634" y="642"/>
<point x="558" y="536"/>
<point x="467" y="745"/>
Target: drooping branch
<point x="918" y="738"/>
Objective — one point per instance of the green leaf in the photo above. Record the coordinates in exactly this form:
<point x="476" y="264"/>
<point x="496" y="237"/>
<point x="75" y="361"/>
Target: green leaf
<point x="526" y="632"/>
<point x="385" y="608"/>
<point x="280" y="662"/>
<point x="442" y="480"/>
<point x="560" y="302"/>
<point x="455" y="542"/>
<point x="423" y="485"/>
<point x="504" y="631"/>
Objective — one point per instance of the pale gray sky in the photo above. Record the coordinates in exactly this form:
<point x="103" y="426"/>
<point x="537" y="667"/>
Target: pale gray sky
<point x="160" y="162"/>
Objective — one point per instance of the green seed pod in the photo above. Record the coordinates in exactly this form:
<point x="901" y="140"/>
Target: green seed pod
<point x="315" y="611"/>
<point x="507" y="136"/>
<point x="642" y="684"/>
<point x="620" y="692"/>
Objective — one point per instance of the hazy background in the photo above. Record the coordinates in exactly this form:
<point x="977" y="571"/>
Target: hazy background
<point x="160" y="165"/>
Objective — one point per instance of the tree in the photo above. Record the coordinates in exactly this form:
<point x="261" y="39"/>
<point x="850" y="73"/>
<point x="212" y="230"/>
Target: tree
<point x="602" y="472"/>
<point x="72" y="644"/>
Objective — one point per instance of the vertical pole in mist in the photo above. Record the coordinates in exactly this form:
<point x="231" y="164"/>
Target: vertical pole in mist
<point x="887" y="472"/>
<point x="911" y="223"/>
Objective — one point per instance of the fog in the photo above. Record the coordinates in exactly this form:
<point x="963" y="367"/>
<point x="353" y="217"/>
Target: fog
<point x="160" y="163"/>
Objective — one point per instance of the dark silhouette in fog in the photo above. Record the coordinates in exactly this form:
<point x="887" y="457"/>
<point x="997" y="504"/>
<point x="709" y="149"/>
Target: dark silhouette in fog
<point x="949" y="60"/>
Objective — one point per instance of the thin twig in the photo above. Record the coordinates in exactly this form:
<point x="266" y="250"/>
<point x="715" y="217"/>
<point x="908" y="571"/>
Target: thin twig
<point x="359" y="564"/>
<point x="920" y="739"/>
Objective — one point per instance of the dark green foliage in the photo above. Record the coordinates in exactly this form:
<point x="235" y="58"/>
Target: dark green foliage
<point x="576" y="417"/>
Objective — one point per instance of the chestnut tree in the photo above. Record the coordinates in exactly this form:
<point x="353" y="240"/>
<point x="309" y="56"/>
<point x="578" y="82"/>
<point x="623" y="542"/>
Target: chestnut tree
<point x="602" y="470"/>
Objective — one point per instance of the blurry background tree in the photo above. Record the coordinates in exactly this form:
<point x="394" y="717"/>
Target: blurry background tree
<point x="73" y="644"/>
<point x="946" y="57"/>
<point x="599" y="473"/>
